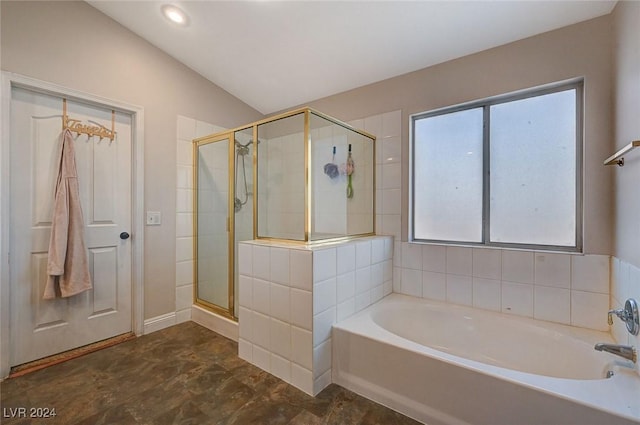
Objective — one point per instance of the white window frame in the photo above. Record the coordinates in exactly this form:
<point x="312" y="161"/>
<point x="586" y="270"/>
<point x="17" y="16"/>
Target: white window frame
<point x="575" y="84"/>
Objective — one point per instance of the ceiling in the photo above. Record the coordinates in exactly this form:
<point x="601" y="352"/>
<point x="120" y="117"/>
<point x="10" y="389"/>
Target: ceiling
<point x="274" y="55"/>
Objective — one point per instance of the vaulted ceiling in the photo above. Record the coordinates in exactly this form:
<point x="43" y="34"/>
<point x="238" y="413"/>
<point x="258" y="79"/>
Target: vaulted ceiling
<point x="277" y="54"/>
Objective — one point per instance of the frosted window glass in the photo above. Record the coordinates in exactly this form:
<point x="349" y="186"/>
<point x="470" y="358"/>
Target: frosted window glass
<point x="533" y="170"/>
<point x="448" y="176"/>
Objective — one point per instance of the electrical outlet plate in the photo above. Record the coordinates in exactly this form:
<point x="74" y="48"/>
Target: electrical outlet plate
<point x="154" y="218"/>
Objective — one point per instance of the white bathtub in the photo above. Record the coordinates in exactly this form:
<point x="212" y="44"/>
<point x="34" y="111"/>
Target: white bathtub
<point x="446" y="364"/>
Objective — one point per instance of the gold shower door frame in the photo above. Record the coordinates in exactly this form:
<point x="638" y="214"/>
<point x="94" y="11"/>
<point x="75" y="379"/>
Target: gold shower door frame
<point x="307" y="112"/>
<point x="228" y="136"/>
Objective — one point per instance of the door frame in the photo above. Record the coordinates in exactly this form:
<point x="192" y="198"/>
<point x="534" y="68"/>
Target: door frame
<point x="11" y="80"/>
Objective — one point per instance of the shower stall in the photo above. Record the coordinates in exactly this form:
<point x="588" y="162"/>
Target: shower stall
<point x="302" y="177"/>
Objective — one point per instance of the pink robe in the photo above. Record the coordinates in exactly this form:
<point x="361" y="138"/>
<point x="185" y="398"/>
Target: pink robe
<point x="67" y="266"/>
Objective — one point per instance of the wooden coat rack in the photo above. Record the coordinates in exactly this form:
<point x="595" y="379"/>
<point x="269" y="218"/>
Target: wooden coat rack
<point x="91" y="130"/>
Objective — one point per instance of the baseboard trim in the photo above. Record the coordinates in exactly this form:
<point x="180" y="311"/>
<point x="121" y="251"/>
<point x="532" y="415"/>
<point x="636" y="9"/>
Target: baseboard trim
<point x="159" y="322"/>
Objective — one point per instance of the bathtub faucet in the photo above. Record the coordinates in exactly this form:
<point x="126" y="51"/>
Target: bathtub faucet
<point x="629" y="315"/>
<point x="626" y="351"/>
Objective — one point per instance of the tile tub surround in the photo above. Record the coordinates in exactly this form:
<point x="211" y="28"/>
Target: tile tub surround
<point x="570" y="289"/>
<point x="625" y="283"/>
<point x="291" y="295"/>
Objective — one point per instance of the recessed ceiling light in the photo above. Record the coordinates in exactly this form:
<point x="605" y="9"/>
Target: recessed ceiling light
<point x="175" y="14"/>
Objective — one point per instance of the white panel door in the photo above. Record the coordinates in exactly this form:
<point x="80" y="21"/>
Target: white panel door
<point x="39" y="327"/>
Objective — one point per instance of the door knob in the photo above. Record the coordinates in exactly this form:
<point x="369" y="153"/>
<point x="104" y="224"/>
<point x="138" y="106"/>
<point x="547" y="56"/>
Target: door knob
<point x="124" y="235"/>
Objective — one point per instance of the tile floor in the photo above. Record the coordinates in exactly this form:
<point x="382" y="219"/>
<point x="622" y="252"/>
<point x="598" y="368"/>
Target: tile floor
<point x="185" y="374"/>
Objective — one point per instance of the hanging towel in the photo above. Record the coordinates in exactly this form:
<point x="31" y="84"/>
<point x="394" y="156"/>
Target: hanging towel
<point x="67" y="266"/>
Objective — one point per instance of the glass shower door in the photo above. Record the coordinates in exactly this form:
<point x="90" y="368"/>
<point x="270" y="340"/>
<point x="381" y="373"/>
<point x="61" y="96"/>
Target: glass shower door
<point x="213" y="244"/>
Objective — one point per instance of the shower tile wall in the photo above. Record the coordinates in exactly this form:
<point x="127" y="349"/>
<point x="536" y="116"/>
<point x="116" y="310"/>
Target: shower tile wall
<point x="333" y="212"/>
<point x="625" y="283"/>
<point x="330" y="202"/>
<point x="187" y="130"/>
<point x="387" y="128"/>
<point x="282" y="167"/>
<point x="291" y="296"/>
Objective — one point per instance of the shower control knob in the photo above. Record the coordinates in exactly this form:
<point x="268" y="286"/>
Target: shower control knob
<point x="124" y="235"/>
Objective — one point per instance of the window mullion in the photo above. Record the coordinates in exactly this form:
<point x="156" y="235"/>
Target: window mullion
<point x="486" y="170"/>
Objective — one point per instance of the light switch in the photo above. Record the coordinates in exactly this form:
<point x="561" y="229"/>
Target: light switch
<point x="154" y="218"/>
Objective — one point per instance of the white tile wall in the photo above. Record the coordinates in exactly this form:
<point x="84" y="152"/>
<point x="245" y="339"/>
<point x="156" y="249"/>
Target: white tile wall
<point x="434" y="258"/>
<point x="487" y="263"/>
<point x="301" y="305"/>
<point x="363" y="254"/>
<point x="434" y="285"/>
<point x="517" y="266"/>
<point x="553" y="270"/>
<point x="459" y="260"/>
<point x="280" y="265"/>
<point x="387" y="128"/>
<point x="625" y="283"/>
<point x="187" y="130"/>
<point x="517" y="298"/>
<point x="261" y="296"/>
<point x="411" y="282"/>
<point x="283" y="209"/>
<point x="322" y="323"/>
<point x="324" y="295"/>
<point x="302" y="347"/>
<point x="551" y="304"/>
<point x="590" y="273"/>
<point x="286" y="319"/>
<point x="412" y="256"/>
<point x="486" y="293"/>
<point x="301" y="274"/>
<point x="363" y="280"/>
<point x="583" y="304"/>
<point x="459" y="289"/>
<point x="280" y="301"/>
<point x="262" y="262"/>
<point x="562" y="288"/>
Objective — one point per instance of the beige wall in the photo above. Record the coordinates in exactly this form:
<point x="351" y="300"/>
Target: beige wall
<point x="74" y="45"/>
<point x="626" y="127"/>
<point x="581" y="50"/>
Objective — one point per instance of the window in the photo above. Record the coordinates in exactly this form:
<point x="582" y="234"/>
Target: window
<point x="503" y="172"/>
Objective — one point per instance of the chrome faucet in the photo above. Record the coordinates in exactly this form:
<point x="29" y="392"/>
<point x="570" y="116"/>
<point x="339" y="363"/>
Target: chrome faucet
<point x="625" y="351"/>
<point x="629" y="315"/>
